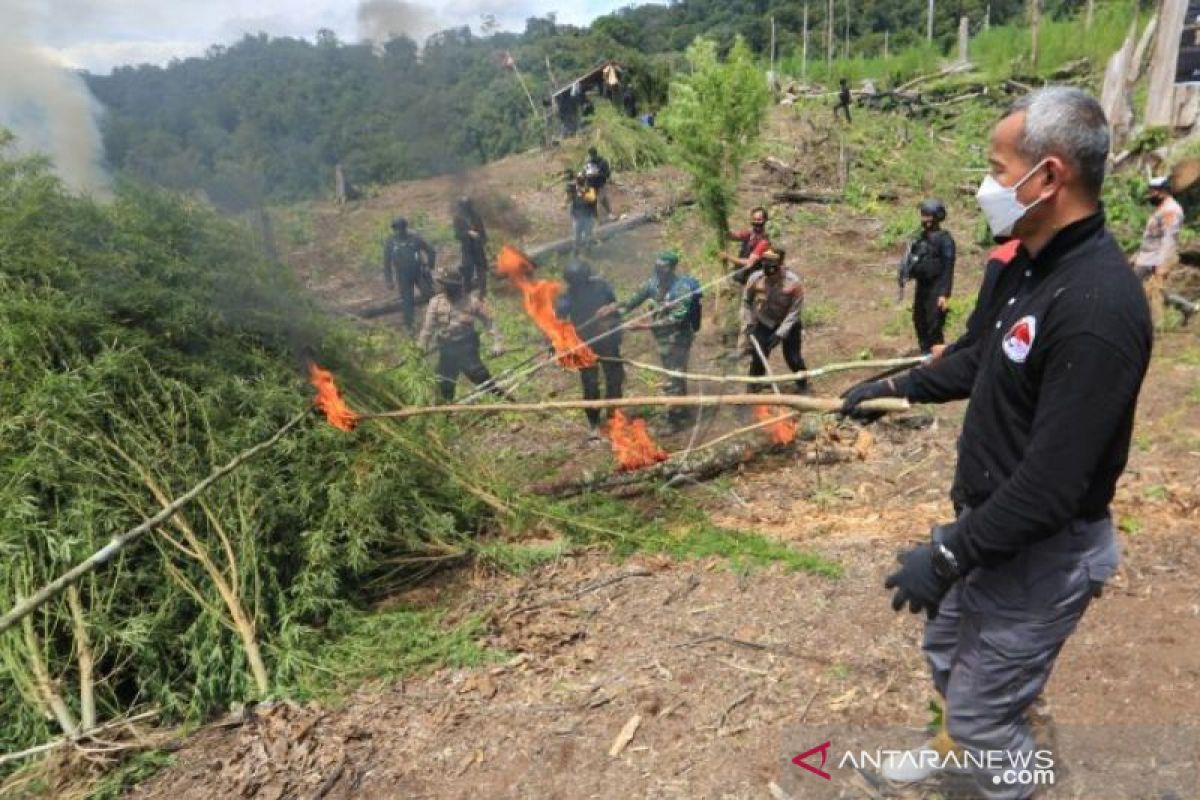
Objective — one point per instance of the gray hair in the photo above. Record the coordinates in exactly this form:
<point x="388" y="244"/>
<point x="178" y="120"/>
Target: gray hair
<point x="1066" y="122"/>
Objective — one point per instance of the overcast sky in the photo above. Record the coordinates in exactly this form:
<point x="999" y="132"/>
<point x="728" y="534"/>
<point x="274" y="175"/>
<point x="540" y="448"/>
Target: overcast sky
<point x="100" y="34"/>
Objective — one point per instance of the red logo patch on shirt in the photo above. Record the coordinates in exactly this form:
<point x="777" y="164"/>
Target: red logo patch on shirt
<point x="1006" y="252"/>
<point x="1019" y="339"/>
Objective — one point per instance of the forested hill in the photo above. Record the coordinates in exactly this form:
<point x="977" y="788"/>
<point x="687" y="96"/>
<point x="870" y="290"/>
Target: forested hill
<point x="268" y="118"/>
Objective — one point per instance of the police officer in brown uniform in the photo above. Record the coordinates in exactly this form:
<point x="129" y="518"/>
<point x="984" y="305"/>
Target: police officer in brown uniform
<point x="450" y="326"/>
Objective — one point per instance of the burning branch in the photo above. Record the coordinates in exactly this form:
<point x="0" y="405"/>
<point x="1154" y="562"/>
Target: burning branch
<point x="631" y="443"/>
<point x="51" y="590"/>
<point x="538" y="298"/>
<point x="329" y="399"/>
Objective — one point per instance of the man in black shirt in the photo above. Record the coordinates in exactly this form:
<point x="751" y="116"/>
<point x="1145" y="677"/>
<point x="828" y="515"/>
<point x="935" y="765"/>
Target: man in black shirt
<point x="472" y="237"/>
<point x="408" y="262"/>
<point x="1053" y="369"/>
<point x="843" y="103"/>
<point x="591" y="306"/>
<point x="930" y="262"/>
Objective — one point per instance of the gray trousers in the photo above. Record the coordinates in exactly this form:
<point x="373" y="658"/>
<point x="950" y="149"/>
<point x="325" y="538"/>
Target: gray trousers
<point x="997" y="634"/>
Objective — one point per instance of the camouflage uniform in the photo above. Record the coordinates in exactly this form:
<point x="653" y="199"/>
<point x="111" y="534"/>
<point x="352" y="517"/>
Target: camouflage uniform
<point x="673" y="331"/>
<point x="450" y="324"/>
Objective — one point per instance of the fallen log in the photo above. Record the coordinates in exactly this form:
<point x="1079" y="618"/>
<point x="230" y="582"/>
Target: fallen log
<point x="807" y="197"/>
<point x="692" y="469"/>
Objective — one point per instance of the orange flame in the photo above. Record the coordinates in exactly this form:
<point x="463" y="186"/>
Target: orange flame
<point x="329" y="399"/>
<point x="631" y="443"/>
<point x="783" y="431"/>
<point x="539" y="299"/>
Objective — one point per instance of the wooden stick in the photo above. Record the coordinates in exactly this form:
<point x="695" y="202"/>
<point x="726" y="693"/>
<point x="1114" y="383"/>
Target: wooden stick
<point x="56" y="743"/>
<point x="887" y="363"/>
<point x="798" y="401"/>
<point x="51" y="590"/>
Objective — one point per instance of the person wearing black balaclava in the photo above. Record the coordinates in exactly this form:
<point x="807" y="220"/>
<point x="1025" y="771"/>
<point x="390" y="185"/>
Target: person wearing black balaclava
<point x="929" y="260"/>
<point x="591" y="306"/>
<point x="472" y="237"/>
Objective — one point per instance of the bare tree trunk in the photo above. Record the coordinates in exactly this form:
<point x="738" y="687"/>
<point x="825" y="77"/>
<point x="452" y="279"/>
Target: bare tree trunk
<point x="929" y="23"/>
<point x="1160" y="103"/>
<point x="829" y="36"/>
<point x="964" y="37"/>
<point x="804" y="59"/>
<point x="86" y="660"/>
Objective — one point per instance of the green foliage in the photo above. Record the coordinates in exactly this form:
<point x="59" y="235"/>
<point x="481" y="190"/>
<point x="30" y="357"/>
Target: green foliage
<point x="677" y="529"/>
<point x="384" y="645"/>
<point x="142" y="343"/>
<point x="714" y="116"/>
<point x="138" y="768"/>
<point x="627" y="144"/>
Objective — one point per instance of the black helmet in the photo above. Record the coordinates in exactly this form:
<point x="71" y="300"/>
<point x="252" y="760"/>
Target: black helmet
<point x="399" y="223"/>
<point x="593" y="152"/>
<point x="577" y="272"/>
<point x="933" y="208"/>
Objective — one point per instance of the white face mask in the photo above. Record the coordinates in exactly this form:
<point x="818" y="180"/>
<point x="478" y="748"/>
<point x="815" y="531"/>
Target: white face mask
<point x="1000" y="205"/>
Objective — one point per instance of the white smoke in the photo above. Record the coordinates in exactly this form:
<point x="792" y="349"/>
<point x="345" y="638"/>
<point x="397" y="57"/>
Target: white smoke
<point x="379" y="21"/>
<point x="47" y="106"/>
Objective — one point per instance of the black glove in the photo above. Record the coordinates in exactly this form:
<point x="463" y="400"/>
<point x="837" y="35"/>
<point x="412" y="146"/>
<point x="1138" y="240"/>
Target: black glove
<point x="917" y="582"/>
<point x="862" y="392"/>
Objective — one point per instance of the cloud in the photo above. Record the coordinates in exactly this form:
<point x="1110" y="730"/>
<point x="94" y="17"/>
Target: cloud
<point x="103" y="35"/>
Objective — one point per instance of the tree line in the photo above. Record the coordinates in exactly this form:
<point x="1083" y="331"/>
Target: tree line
<point x="266" y="119"/>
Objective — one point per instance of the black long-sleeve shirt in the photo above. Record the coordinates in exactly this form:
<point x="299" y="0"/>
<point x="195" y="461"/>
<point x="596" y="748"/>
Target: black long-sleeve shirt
<point x="933" y="266"/>
<point x="1053" y="377"/>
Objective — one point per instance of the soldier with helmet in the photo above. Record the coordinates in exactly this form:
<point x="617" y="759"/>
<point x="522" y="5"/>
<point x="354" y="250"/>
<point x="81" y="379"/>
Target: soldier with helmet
<point x="450" y="327"/>
<point x="929" y="260"/>
<point x="591" y="306"/>
<point x="408" y="262"/>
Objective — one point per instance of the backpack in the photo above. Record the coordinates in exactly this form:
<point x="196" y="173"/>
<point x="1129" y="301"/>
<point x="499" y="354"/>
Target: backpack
<point x="696" y="309"/>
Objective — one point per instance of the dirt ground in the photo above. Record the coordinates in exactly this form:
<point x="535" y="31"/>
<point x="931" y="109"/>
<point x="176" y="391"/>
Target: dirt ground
<point x="655" y="678"/>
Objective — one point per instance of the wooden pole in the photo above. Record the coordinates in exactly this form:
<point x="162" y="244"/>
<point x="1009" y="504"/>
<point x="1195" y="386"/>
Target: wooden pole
<point x="772" y="48"/>
<point x="964" y="36"/>
<point x="51" y="590"/>
<point x="819" y="372"/>
<point x="846" y="49"/>
<point x="829" y="36"/>
<point x="1035" y="12"/>
<point x="1091" y="14"/>
<point x="929" y="23"/>
<point x="987" y="17"/>
<point x="885" y="44"/>
<point x="802" y="402"/>
<point x="804" y="60"/>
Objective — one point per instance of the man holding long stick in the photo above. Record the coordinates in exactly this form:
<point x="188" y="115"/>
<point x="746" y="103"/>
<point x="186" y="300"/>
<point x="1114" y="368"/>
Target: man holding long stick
<point x="1053" y="378"/>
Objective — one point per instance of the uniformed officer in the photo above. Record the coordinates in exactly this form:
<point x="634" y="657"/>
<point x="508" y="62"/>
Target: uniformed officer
<point x="1159" y="252"/>
<point x="929" y="261"/>
<point x="450" y="327"/>
<point x="408" y="262"/>
<point x="674" y="323"/>
<point x="771" y="306"/>
<point x="472" y="240"/>
<point x="1053" y="377"/>
<point x="591" y="306"/>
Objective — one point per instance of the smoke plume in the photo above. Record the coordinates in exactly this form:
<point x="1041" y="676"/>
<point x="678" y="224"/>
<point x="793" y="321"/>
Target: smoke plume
<point x="382" y="20"/>
<point x="47" y="106"/>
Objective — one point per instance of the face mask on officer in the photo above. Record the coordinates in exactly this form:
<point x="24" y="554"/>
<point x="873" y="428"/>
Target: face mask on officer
<point x="759" y="224"/>
<point x="1000" y="205"/>
<point x="1155" y="198"/>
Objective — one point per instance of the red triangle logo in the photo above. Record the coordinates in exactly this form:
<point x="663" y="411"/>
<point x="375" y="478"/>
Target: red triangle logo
<point x="823" y="749"/>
